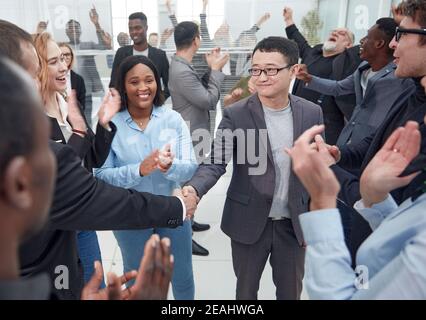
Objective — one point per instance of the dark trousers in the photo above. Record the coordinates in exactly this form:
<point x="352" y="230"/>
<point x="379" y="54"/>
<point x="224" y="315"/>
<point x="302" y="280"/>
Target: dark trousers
<point x="286" y="256"/>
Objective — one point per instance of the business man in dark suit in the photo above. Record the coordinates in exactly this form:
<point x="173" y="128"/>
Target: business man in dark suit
<point x="409" y="44"/>
<point x="264" y="198"/>
<point x="335" y="59"/>
<point x="374" y="83"/>
<point x="81" y="202"/>
<point x="138" y="27"/>
<point x="77" y="84"/>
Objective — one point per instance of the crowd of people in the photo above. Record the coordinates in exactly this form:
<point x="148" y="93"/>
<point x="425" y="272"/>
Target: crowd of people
<point x="328" y="175"/>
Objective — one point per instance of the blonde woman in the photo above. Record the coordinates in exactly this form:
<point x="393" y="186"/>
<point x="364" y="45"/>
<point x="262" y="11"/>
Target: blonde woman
<point x="68" y="126"/>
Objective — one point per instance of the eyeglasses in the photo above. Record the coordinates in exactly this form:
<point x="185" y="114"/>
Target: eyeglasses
<point x="256" y="72"/>
<point x="401" y="31"/>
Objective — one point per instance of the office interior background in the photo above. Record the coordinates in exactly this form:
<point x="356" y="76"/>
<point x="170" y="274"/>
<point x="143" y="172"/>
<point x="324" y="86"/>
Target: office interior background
<point x="214" y="277"/>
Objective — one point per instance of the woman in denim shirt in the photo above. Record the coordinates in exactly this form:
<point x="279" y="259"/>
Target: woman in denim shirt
<point x="151" y="152"/>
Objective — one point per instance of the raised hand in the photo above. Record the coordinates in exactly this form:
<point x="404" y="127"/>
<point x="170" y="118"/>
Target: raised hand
<point x="216" y="60"/>
<point x="288" y="16"/>
<point x="113" y="291"/>
<point x="150" y="164"/>
<point x="397" y="13"/>
<point x="94" y="17"/>
<point x="263" y="19"/>
<point x="302" y="73"/>
<point x="252" y="85"/>
<point x="155" y="272"/>
<point x="42" y="26"/>
<point x="382" y="175"/>
<point x="75" y="117"/>
<point x="313" y="171"/>
<point x="111" y="104"/>
<point x="205" y="4"/>
<point x="169" y="6"/>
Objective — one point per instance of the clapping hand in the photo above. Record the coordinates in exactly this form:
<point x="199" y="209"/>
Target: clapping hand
<point x="165" y="158"/>
<point x="313" y="170"/>
<point x="152" y="280"/>
<point x="111" y="104"/>
<point x="382" y="175"/>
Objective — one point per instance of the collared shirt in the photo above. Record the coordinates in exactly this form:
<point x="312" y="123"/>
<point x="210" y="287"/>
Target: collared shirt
<point x="34" y="288"/>
<point x="391" y="262"/>
<point x="131" y="146"/>
<point x="64" y="125"/>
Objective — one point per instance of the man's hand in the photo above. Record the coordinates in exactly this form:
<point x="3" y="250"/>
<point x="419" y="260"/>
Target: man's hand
<point x="216" y="60"/>
<point x="302" y="73"/>
<point x="169" y="7"/>
<point x="263" y="19"/>
<point x="397" y="13"/>
<point x="111" y="104"/>
<point x="313" y="170"/>
<point x="113" y="291"/>
<point x="327" y="153"/>
<point x="205" y="4"/>
<point x="382" y="175"/>
<point x="288" y="16"/>
<point x="155" y="272"/>
<point x="42" y="26"/>
<point x="94" y="17"/>
<point x="150" y="164"/>
<point x="75" y="117"/>
<point x="252" y="85"/>
<point x="191" y="200"/>
<point x="165" y="35"/>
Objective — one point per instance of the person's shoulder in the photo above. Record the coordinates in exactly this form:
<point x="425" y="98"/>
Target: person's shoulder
<point x="157" y="50"/>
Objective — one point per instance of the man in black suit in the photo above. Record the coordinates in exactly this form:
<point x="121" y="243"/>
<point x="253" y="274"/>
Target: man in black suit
<point x="138" y="27"/>
<point x="264" y="198"/>
<point x="81" y="202"/>
<point x="336" y="59"/>
<point x="409" y="44"/>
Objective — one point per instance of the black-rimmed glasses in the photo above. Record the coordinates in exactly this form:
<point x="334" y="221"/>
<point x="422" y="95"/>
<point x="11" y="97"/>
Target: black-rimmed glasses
<point x="256" y="72"/>
<point x="401" y="31"/>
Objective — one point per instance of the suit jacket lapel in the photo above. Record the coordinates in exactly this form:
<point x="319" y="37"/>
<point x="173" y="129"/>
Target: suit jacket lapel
<point x="256" y="110"/>
<point x="297" y="117"/>
<point x="381" y="74"/>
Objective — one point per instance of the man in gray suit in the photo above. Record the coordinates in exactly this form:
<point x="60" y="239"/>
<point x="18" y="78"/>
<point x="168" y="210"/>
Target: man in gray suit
<point x="374" y="83"/>
<point x="264" y="198"/>
<point x="189" y="96"/>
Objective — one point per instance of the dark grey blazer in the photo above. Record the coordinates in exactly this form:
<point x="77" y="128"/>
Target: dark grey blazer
<point x="249" y="197"/>
<point x="372" y="107"/>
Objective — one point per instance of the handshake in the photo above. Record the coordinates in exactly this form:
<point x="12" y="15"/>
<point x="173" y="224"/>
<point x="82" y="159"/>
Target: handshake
<point x="190" y="198"/>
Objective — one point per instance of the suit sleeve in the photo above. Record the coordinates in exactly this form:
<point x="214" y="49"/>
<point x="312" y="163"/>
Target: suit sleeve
<point x="294" y="34"/>
<point x="332" y="87"/>
<point x="119" y="56"/>
<point x="165" y="75"/>
<point x="213" y="168"/>
<point x="81" y="93"/>
<point x="81" y="202"/>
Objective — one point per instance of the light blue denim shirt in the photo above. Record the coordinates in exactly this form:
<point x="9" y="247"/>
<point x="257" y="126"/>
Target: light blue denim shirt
<point x="131" y="146"/>
<point x="392" y="259"/>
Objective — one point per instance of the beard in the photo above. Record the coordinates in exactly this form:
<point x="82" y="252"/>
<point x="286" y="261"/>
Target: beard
<point x="329" y="46"/>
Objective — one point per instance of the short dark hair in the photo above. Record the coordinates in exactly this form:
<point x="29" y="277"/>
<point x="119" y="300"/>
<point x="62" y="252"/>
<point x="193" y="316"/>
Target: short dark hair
<point x="72" y="21"/>
<point x="416" y="10"/>
<point x="139" y="15"/>
<point x="388" y="28"/>
<point x="12" y="38"/>
<point x="17" y="105"/>
<point x="185" y="33"/>
<point x="288" y="48"/>
<point x="125" y="67"/>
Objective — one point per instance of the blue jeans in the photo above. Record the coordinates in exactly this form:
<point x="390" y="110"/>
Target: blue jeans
<point x="132" y="245"/>
<point x="89" y="252"/>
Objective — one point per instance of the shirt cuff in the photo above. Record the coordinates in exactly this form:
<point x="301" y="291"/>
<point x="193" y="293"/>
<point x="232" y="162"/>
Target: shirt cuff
<point x="322" y="226"/>
<point x="183" y="208"/>
<point x="378" y="212"/>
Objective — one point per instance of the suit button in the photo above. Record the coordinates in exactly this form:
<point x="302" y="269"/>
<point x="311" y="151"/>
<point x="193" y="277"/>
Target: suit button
<point x="269" y="201"/>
